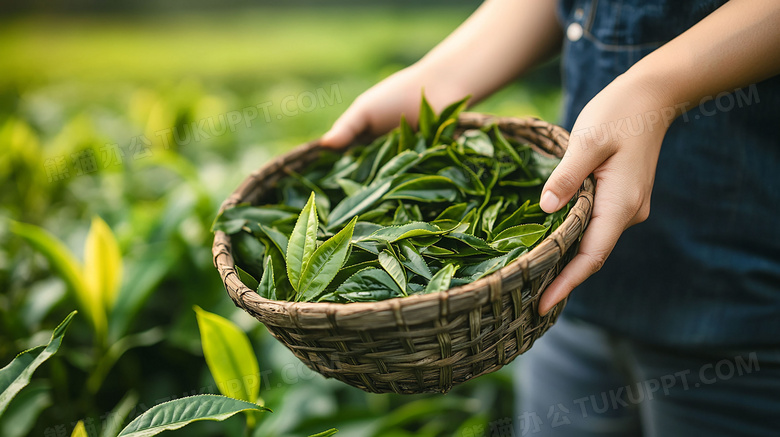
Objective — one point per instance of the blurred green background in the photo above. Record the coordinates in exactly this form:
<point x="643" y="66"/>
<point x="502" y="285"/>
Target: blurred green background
<point x="148" y="117"/>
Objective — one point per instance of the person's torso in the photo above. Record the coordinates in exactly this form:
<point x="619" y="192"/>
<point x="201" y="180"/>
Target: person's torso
<point x="705" y="267"/>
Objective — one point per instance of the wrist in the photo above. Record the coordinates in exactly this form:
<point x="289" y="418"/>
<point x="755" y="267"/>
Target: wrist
<point x="655" y="93"/>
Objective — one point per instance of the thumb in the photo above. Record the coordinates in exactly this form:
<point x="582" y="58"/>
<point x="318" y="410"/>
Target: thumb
<point x="345" y="129"/>
<point x="578" y="162"/>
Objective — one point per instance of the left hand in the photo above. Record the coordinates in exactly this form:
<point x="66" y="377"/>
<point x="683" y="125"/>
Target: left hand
<point x="617" y="137"/>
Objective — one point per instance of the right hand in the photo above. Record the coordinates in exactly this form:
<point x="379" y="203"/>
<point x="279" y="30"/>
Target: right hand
<point x="379" y="109"/>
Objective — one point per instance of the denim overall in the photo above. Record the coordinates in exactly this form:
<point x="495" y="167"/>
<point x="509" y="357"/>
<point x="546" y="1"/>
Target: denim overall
<point x="679" y="333"/>
<point x="705" y="267"/>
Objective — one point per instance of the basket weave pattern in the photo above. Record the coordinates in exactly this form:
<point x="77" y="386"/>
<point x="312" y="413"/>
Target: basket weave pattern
<point x="421" y="343"/>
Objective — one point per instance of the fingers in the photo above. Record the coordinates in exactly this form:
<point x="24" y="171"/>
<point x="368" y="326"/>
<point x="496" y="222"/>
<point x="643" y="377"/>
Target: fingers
<point x="597" y="243"/>
<point x="581" y="158"/>
<point x="351" y="123"/>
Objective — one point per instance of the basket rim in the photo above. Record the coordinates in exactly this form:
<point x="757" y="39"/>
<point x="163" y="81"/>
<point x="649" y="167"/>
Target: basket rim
<point x="574" y="223"/>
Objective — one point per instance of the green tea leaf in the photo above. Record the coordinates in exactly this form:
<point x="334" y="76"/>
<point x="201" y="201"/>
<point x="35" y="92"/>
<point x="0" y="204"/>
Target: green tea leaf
<point x="476" y="271"/>
<point x="246" y="278"/>
<point x="368" y="246"/>
<point x="401" y="215"/>
<point x="490" y="215"/>
<point x="302" y="244"/>
<point x="445" y="127"/>
<point x="368" y="285"/>
<point x="363" y="230"/>
<point x="476" y="243"/>
<point x="437" y="251"/>
<point x="543" y="166"/>
<point x="412" y="260"/>
<point x="233" y="219"/>
<point x="454" y="212"/>
<point x="522" y="184"/>
<point x="393" y="267"/>
<point x="519" y="236"/>
<point x="555" y="219"/>
<point x="477" y="141"/>
<point x="398" y="165"/>
<point x="427" y="120"/>
<point x="183" y="411"/>
<point x="441" y="280"/>
<point x="349" y="186"/>
<point x="229" y="356"/>
<point x="282" y="286"/>
<point x="249" y="253"/>
<point x="16" y="375"/>
<point x="279" y="239"/>
<point x="267" y="286"/>
<point x="525" y="213"/>
<point x="425" y="189"/>
<point x="321" y="200"/>
<point x="383" y="155"/>
<point x="392" y="234"/>
<point x="452" y="111"/>
<point x="343" y="168"/>
<point x="350" y="269"/>
<point x="380" y="214"/>
<point x="353" y="205"/>
<point x="407" y="138"/>
<point x="367" y="158"/>
<point x="503" y="145"/>
<point x="325" y="263"/>
<point x="474" y="184"/>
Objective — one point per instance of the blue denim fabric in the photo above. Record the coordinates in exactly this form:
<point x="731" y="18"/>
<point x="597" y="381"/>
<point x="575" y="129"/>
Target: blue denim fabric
<point x="704" y="269"/>
<point x="581" y="380"/>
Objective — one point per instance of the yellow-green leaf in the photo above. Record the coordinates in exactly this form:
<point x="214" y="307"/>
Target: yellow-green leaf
<point x="102" y="263"/>
<point x="441" y="280"/>
<point x="325" y="263"/>
<point x="79" y="430"/>
<point x="229" y="356"/>
<point x="303" y="242"/>
<point x="62" y="261"/>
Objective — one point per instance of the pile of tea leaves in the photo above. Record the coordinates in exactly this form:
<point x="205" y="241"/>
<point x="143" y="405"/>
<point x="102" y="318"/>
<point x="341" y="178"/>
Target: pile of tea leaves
<point x="410" y="213"/>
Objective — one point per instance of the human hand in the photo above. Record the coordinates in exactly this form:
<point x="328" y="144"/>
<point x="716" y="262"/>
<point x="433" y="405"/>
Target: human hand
<point x="617" y="137"/>
<point x="379" y="109"/>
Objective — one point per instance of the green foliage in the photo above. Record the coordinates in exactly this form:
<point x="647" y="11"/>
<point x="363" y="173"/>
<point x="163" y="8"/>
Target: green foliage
<point x="181" y="412"/>
<point x="16" y="375"/>
<point x="96" y="283"/>
<point x="126" y="87"/>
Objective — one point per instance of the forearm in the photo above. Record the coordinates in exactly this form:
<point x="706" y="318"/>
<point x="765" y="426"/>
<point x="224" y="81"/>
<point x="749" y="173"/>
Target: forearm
<point x="733" y="47"/>
<point x="501" y="40"/>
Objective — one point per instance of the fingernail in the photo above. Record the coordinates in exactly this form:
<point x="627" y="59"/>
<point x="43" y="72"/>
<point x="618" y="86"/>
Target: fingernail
<point x="549" y="201"/>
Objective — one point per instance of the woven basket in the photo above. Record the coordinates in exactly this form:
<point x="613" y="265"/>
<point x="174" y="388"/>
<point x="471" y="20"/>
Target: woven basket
<point x="420" y="343"/>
